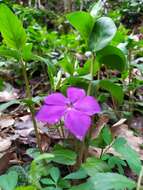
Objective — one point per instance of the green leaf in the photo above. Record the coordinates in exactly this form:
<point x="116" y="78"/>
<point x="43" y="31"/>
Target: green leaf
<point x="112" y="57"/>
<point x="83" y="186"/>
<point x="128" y="154"/>
<point x="80" y="174"/>
<point x="9" y="181"/>
<point x="11" y="28"/>
<point x="67" y="64"/>
<point x="47" y="181"/>
<point x="94" y="165"/>
<point x="7" y="52"/>
<point x="26" y="188"/>
<point x="115" y="90"/>
<point x="27" y="52"/>
<point x="55" y="174"/>
<point x="81" y="21"/>
<point x="44" y="156"/>
<point x="64" y="156"/>
<point x="102" y="33"/>
<point x="107" y="135"/>
<point x="108" y="181"/>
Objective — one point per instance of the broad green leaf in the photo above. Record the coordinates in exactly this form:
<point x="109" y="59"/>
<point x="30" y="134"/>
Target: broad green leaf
<point x="26" y="188"/>
<point x="112" y="57"/>
<point x="64" y="156"/>
<point x="9" y="181"/>
<point x="132" y="158"/>
<point x="81" y="21"/>
<point x="94" y="165"/>
<point x="96" y="9"/>
<point x="7" y="52"/>
<point x="11" y="28"/>
<point x="102" y="33"/>
<point x="108" y="181"/>
<point x="80" y="174"/>
<point x="115" y="90"/>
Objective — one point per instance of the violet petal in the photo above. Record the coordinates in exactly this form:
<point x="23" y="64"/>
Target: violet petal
<point x="75" y="94"/>
<point x="88" y="105"/>
<point x="50" y="114"/>
<point x="56" y="99"/>
<point x="77" y="123"/>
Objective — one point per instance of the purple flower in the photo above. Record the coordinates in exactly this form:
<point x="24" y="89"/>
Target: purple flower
<point x="76" y="110"/>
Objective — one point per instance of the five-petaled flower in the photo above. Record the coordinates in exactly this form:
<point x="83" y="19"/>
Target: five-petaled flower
<point x="76" y="110"/>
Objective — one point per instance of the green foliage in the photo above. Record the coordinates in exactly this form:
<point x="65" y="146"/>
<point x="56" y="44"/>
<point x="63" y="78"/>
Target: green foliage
<point x="64" y="156"/>
<point x="84" y="27"/>
<point x="132" y="158"/>
<point x="102" y="33"/>
<point x="108" y="181"/>
<point x="113" y="58"/>
<point x="9" y="181"/>
<point x="11" y="28"/>
<point x="94" y="165"/>
<point x="26" y="188"/>
<point x="115" y="90"/>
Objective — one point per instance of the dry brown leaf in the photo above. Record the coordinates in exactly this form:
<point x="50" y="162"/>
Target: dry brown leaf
<point x="103" y="120"/>
<point x="6" y="121"/>
<point x="9" y="93"/>
<point x="4" y="144"/>
<point x="122" y="131"/>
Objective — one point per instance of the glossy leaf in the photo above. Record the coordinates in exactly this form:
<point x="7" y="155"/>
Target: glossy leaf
<point x="102" y="33"/>
<point x="112" y="57"/>
<point x="81" y="21"/>
<point x="11" y="28"/>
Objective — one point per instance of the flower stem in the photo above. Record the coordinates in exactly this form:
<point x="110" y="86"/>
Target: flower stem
<point x="83" y="152"/>
<point x="92" y="75"/>
<point x="31" y="106"/>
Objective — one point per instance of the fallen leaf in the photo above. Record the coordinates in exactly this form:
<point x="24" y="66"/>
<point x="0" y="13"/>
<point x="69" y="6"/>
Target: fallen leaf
<point x="6" y="121"/>
<point x="5" y="144"/>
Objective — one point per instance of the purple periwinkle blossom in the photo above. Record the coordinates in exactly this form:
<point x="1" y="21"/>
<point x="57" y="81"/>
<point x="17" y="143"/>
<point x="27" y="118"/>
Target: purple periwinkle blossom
<point x="76" y="110"/>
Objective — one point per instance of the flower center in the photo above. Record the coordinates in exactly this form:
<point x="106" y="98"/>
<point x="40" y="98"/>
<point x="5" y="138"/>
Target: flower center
<point x="69" y="105"/>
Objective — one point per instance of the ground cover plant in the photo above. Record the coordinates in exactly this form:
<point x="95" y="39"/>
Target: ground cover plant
<point x="71" y="97"/>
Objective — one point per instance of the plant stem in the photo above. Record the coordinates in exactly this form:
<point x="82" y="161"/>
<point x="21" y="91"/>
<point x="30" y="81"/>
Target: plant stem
<point x="92" y="75"/>
<point x="85" y="150"/>
<point x="31" y="106"/>
<point x="140" y="179"/>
